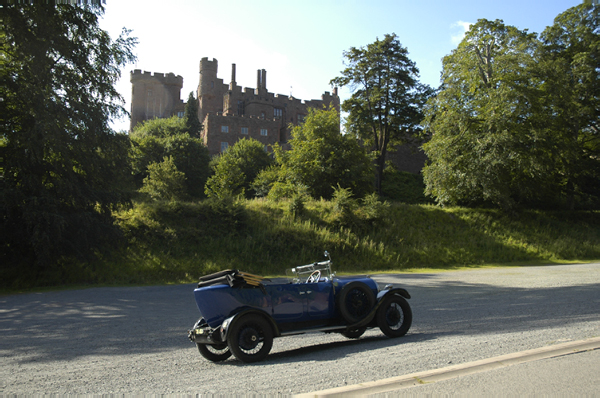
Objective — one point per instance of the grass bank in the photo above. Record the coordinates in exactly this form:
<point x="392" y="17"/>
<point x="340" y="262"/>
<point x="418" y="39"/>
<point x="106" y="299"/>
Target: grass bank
<point x="178" y="242"/>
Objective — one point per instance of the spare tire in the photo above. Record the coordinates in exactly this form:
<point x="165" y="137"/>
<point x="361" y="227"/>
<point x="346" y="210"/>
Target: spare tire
<point x="355" y="301"/>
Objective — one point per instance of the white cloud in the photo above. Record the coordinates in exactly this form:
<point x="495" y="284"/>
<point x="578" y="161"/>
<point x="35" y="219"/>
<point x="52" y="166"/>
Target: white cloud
<point x="460" y="28"/>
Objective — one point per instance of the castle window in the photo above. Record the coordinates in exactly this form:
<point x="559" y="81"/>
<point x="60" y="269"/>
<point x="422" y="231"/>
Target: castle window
<point x="224" y="129"/>
<point x="300" y="118"/>
<point x="264" y="132"/>
<point x="277" y="113"/>
<point x="180" y="114"/>
<point x="240" y="109"/>
<point x="262" y="115"/>
<point x="244" y="130"/>
<point x="224" y="146"/>
<point x="149" y="93"/>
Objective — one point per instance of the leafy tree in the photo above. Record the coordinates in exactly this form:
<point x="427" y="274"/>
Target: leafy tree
<point x="190" y="117"/>
<point x="61" y="159"/>
<point x="156" y="139"/>
<point x="322" y="158"/>
<point x="159" y="128"/>
<point x="385" y="109"/>
<point x="516" y="121"/>
<point x="236" y="169"/>
<point x="488" y="140"/>
<point x="164" y="181"/>
<point x="569" y="59"/>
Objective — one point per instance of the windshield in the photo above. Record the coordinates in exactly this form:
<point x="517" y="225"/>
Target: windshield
<point x="302" y="273"/>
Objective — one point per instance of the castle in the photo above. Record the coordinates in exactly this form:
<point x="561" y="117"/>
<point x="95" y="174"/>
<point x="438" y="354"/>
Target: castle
<point x="227" y="112"/>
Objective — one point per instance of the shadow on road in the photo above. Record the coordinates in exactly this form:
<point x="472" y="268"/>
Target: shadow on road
<point x="122" y="321"/>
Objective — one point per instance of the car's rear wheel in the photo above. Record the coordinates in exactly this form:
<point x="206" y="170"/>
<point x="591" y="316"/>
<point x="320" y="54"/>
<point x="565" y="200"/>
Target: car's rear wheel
<point x="355" y="301"/>
<point x="250" y="338"/>
<point x="215" y="353"/>
<point x="394" y="316"/>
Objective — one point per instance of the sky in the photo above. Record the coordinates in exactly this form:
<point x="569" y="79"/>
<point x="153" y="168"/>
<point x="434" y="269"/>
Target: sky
<point x="300" y="43"/>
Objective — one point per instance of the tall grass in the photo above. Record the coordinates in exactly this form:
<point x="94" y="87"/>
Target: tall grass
<point x="172" y="242"/>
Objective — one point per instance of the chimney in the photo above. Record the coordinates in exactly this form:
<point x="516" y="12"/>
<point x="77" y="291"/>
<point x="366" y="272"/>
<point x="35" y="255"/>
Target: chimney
<point x="264" y="79"/>
<point x="232" y="84"/>
<point x="258" y="79"/>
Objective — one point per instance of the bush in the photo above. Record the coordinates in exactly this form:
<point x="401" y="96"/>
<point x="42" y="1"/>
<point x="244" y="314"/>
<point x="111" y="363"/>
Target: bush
<point x="401" y="186"/>
<point x="164" y="181"/>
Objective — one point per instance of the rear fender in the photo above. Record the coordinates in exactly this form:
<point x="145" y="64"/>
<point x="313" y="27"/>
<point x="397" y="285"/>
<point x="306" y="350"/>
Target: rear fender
<point x="227" y="323"/>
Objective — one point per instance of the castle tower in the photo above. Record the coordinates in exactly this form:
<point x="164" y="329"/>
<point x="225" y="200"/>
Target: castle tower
<point x="210" y="89"/>
<point x="154" y="95"/>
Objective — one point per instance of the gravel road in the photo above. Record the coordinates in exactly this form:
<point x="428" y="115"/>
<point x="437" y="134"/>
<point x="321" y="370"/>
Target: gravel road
<point x="133" y="340"/>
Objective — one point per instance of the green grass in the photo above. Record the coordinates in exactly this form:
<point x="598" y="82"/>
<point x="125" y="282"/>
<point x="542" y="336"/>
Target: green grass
<point x="179" y="242"/>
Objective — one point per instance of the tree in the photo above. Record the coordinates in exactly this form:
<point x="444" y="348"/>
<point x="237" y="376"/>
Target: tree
<point x="159" y="128"/>
<point x="321" y="158"/>
<point x="164" y="181"/>
<point x="569" y="57"/>
<point x="156" y="139"/>
<point x="236" y="169"/>
<point x="516" y="121"/>
<point x="192" y="123"/>
<point x="61" y="159"/>
<point x="385" y="108"/>
<point x="488" y="142"/>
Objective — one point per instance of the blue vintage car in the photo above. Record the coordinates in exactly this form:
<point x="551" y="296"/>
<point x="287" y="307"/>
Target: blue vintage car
<point x="241" y="313"/>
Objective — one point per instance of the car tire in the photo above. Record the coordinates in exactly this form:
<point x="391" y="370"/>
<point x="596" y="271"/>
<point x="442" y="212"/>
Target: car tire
<point x="251" y="338"/>
<point x="214" y="353"/>
<point x="354" y="333"/>
<point x="394" y="316"/>
<point x="355" y="301"/>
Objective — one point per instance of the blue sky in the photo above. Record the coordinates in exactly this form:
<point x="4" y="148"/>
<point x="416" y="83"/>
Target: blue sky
<point x="300" y="43"/>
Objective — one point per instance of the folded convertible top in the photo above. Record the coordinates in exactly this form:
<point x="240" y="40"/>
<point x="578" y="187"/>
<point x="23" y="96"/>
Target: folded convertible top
<point x="231" y="277"/>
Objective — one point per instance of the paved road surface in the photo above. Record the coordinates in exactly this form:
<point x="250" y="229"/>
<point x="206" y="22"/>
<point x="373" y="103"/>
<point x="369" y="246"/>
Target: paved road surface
<point x="133" y="340"/>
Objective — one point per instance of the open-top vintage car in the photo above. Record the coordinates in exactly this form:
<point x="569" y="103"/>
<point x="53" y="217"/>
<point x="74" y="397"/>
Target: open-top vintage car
<point x="242" y="313"/>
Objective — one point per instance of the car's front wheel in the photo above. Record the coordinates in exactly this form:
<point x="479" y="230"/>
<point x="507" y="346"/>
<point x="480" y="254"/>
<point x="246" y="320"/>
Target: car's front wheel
<point x="251" y="338"/>
<point x="394" y="316"/>
<point x="215" y="353"/>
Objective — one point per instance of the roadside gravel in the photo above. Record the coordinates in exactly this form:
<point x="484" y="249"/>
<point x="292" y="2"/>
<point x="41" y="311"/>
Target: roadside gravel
<point x="133" y="340"/>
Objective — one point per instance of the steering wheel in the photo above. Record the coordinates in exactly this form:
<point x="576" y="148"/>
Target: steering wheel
<point x="314" y="277"/>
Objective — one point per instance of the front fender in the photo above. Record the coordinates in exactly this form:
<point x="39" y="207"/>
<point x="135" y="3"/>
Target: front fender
<point x="227" y="323"/>
<point x="399" y="291"/>
<point x="380" y="296"/>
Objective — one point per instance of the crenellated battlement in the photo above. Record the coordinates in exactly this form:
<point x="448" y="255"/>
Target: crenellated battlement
<point x="169" y="78"/>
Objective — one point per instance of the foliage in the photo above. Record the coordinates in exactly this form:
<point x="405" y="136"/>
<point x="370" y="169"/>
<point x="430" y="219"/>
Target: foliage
<point x="159" y="128"/>
<point x="155" y="139"/>
<point x="321" y="158"/>
<point x="64" y="168"/>
<point x="385" y="109"/>
<point x="515" y="123"/>
<point x="487" y="144"/>
<point x="190" y="117"/>
<point x="175" y="242"/>
<point x="404" y="187"/>
<point x="569" y="57"/>
<point x="237" y="168"/>
<point x="164" y="181"/>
